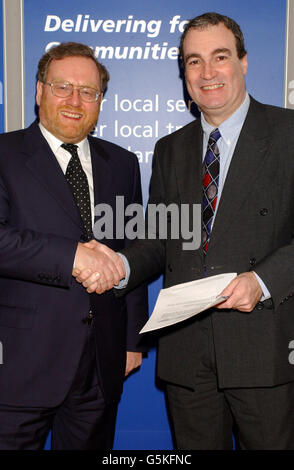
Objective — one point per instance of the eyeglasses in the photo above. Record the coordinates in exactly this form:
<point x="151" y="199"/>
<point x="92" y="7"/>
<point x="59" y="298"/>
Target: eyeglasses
<point x="64" y="90"/>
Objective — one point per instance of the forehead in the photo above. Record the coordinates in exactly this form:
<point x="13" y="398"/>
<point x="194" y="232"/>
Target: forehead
<point x="75" y="70"/>
<point x="207" y="40"/>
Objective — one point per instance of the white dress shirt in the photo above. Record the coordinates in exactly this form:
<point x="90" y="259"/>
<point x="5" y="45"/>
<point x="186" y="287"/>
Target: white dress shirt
<point x="229" y="130"/>
<point x="63" y="157"/>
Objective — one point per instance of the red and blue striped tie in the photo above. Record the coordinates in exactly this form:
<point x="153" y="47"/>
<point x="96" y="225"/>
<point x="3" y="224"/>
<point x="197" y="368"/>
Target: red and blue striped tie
<point x="210" y="186"/>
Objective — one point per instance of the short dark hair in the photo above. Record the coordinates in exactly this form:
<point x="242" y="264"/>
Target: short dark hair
<point x="70" y="49"/>
<point x="213" y="19"/>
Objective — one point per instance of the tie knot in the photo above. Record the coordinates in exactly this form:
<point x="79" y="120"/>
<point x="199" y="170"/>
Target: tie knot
<point x="71" y="148"/>
<point x="214" y="135"/>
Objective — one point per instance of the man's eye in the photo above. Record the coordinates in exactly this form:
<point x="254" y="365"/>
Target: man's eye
<point x="193" y="62"/>
<point x="61" y="86"/>
<point x="88" y="94"/>
<point x="220" y="58"/>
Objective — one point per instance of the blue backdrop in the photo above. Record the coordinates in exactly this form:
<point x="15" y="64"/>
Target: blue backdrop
<point x="145" y="101"/>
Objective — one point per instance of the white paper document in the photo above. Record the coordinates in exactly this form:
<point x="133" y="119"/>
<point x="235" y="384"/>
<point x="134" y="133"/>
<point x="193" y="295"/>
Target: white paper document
<point x="180" y="302"/>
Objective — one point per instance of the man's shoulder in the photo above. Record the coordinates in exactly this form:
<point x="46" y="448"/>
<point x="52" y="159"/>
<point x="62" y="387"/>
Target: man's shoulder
<point x="110" y="150"/>
<point x="181" y="135"/>
<point x="275" y="113"/>
<point x="12" y="137"/>
<point x="16" y="137"/>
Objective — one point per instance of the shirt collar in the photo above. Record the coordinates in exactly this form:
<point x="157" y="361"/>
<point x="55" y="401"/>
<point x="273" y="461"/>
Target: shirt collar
<point x="231" y="126"/>
<point x="55" y="143"/>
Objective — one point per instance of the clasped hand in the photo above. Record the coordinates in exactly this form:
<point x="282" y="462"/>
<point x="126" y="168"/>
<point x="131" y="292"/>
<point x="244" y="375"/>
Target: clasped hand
<point x="97" y="267"/>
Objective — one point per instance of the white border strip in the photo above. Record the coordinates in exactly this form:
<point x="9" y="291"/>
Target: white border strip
<point x="286" y="54"/>
<point x="22" y="64"/>
<point x="13" y="62"/>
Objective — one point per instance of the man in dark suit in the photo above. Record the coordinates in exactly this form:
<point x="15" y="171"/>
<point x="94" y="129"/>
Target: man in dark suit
<point x="65" y="351"/>
<point x="231" y="363"/>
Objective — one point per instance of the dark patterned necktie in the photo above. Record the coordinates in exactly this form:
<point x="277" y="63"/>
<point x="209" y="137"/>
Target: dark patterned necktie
<point x="210" y="186"/>
<point x="78" y="182"/>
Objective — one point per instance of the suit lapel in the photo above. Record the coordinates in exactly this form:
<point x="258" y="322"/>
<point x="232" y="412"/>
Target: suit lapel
<point x="46" y="169"/>
<point x="102" y="172"/>
<point x="189" y="165"/>
<point x="247" y="162"/>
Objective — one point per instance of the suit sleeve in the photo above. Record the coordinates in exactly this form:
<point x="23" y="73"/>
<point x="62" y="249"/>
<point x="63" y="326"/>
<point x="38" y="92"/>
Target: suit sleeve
<point x="32" y="256"/>
<point x="277" y="268"/>
<point x="137" y="299"/>
<point x="146" y="256"/>
<point x="277" y="272"/>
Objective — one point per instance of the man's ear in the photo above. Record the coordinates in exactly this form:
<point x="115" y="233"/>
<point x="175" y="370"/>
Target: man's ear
<point x="244" y="64"/>
<point x="39" y="92"/>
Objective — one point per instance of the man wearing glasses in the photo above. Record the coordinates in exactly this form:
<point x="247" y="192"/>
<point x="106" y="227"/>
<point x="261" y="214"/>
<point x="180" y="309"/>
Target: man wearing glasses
<point x="65" y="351"/>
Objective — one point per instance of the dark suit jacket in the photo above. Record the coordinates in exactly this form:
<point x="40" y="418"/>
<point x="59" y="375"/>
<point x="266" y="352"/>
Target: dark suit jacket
<point x="253" y="230"/>
<point x="41" y="304"/>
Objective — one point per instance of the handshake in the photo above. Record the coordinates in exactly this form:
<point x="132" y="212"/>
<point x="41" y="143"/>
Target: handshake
<point x="97" y="267"/>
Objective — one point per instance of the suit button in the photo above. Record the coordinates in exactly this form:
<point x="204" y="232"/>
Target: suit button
<point x="170" y="268"/>
<point x="263" y="211"/>
<point x="252" y="261"/>
<point x="259" y="306"/>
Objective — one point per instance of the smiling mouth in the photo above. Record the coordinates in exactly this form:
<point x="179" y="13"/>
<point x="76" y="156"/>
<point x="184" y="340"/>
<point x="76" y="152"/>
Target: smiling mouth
<point x="71" y="115"/>
<point x="212" y="87"/>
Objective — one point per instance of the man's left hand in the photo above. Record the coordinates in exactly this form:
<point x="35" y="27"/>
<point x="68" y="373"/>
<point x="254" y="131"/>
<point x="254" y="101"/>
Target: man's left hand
<point x="134" y="360"/>
<point x="244" y="293"/>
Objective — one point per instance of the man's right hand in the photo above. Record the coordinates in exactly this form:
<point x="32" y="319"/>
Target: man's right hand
<point x="97" y="267"/>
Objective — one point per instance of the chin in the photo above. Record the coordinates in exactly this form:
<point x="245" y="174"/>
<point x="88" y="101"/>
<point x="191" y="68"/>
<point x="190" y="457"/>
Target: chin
<point x="214" y="104"/>
<point x="72" y="132"/>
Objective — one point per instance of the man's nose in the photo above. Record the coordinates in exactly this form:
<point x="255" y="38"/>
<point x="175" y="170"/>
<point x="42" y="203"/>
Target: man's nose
<point x="74" y="99"/>
<point x="207" y="71"/>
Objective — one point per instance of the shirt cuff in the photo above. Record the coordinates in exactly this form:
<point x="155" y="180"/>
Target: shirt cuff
<point x="265" y="293"/>
<point x="124" y="282"/>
